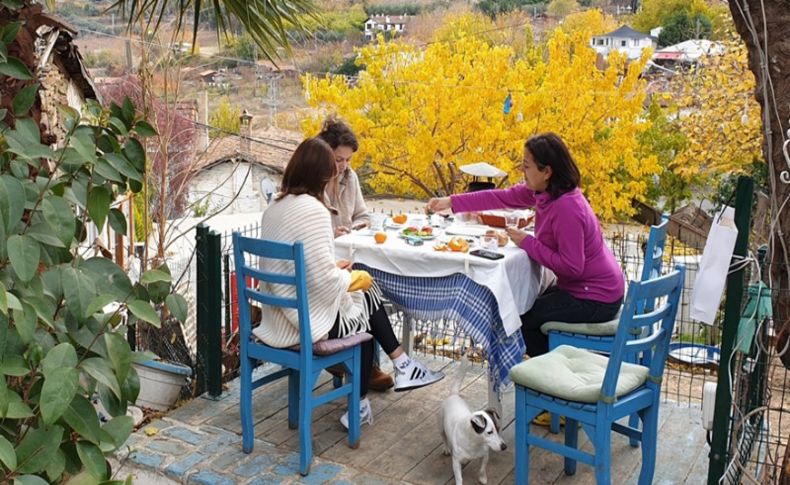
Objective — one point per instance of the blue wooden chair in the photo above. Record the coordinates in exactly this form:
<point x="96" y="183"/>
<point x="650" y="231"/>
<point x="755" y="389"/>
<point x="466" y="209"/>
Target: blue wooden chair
<point x="596" y="391"/>
<point x="302" y="365"/>
<point x="600" y="336"/>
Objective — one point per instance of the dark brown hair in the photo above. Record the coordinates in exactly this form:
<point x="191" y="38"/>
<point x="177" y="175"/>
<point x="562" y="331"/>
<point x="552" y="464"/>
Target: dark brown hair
<point x="310" y="168"/>
<point x="337" y="134"/>
<point x="548" y="150"/>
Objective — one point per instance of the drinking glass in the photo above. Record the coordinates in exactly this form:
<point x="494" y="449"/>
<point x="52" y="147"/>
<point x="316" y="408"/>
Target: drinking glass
<point x="511" y="220"/>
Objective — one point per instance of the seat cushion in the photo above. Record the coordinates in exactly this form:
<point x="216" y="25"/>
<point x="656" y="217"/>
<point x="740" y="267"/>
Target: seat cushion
<point x="598" y="329"/>
<point x="333" y="345"/>
<point x="574" y="374"/>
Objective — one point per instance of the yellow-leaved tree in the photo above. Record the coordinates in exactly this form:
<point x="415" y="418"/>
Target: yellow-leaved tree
<point x="422" y="112"/>
<point x="716" y="111"/>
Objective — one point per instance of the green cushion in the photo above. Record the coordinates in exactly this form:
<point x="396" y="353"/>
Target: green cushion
<point x="574" y="374"/>
<point x="598" y="329"/>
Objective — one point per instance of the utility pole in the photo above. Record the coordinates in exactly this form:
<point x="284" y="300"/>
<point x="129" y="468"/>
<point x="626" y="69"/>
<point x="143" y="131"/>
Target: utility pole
<point x="272" y="99"/>
<point x="128" y="55"/>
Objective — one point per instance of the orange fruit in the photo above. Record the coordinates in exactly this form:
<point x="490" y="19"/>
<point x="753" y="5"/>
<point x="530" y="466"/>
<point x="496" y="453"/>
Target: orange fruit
<point x="399" y="218"/>
<point x="380" y="237"/>
<point x="457" y="244"/>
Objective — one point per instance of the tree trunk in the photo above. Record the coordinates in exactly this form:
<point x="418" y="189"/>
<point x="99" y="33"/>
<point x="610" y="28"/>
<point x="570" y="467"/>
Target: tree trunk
<point x="765" y="25"/>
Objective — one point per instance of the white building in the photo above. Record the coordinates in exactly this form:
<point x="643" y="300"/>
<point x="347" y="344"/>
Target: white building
<point x="625" y="40"/>
<point x="238" y="174"/>
<point x="396" y="24"/>
<point x="688" y="52"/>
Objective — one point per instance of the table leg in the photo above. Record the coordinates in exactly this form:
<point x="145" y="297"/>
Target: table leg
<point x="494" y="398"/>
<point x="406" y="340"/>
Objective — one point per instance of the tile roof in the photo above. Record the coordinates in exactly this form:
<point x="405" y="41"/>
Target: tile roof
<point x="270" y="148"/>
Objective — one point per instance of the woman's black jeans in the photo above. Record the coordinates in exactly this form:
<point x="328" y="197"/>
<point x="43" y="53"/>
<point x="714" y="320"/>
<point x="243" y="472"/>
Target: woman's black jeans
<point x="381" y="329"/>
<point x="556" y="305"/>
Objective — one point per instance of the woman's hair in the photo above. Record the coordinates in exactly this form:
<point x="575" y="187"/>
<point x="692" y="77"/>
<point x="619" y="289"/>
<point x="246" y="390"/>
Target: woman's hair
<point x="548" y="150"/>
<point x="337" y="133"/>
<point x="310" y="168"/>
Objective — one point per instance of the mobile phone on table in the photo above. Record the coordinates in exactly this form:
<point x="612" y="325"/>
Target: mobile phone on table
<point x="484" y="253"/>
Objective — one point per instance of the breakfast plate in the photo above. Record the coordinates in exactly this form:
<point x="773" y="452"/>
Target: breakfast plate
<point x="426" y="233"/>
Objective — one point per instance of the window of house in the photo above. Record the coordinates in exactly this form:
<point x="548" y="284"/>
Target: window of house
<point x="599" y="41"/>
<point x="623" y="43"/>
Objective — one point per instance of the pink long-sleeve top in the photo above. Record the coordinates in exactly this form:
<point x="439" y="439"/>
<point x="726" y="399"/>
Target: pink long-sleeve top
<point x="568" y="239"/>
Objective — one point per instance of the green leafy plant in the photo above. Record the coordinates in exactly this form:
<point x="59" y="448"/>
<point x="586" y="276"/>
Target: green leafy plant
<point x="59" y="346"/>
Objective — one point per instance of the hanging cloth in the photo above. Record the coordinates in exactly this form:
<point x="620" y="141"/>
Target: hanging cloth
<point x="758" y="308"/>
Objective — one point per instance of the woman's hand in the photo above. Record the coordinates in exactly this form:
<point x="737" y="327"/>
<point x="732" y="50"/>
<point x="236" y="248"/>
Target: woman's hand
<point x="341" y="230"/>
<point x="438" y="204"/>
<point x="344" y="264"/>
<point x="516" y="235"/>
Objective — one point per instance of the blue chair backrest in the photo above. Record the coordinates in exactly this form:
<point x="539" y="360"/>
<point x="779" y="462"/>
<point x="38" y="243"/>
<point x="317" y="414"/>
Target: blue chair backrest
<point x="247" y="252"/>
<point x="653" y="346"/>
<point x="654" y="252"/>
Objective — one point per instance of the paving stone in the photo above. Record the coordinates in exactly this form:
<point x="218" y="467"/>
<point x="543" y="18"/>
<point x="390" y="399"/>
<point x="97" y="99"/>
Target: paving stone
<point x="170" y="448"/>
<point x="219" y="443"/>
<point x="255" y="466"/>
<point x="184" y="434"/>
<point x="266" y="480"/>
<point x="150" y="460"/>
<point x="321" y="473"/>
<point x="230" y="458"/>
<point x="133" y="441"/>
<point x="206" y="477"/>
<point x="180" y="467"/>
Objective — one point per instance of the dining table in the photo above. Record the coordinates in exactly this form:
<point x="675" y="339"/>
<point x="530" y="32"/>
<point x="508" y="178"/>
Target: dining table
<point x="431" y="283"/>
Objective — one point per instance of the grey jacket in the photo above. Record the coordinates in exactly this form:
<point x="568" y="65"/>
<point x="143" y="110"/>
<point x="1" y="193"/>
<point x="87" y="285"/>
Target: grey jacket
<point x="345" y="195"/>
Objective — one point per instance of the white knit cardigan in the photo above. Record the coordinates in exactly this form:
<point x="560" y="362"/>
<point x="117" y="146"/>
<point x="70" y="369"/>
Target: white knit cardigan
<point x="303" y="218"/>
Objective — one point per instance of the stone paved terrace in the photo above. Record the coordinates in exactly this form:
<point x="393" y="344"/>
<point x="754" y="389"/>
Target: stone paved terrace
<point x="200" y="443"/>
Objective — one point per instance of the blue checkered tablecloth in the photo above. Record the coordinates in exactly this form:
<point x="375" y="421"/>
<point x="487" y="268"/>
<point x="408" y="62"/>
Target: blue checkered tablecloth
<point x="457" y="298"/>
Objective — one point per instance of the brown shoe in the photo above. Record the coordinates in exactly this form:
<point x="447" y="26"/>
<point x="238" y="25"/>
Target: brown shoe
<point x="380" y="380"/>
<point x="337" y="370"/>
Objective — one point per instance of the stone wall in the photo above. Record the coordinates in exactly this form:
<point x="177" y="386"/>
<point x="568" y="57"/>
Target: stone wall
<point x="57" y="89"/>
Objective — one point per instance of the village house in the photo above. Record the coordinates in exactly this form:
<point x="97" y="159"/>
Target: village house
<point x="395" y="24"/>
<point x="687" y="53"/>
<point x="624" y="40"/>
<point x="239" y="174"/>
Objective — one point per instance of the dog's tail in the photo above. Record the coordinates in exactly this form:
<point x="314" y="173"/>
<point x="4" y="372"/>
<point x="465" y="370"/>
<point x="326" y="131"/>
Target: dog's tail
<point x="460" y="372"/>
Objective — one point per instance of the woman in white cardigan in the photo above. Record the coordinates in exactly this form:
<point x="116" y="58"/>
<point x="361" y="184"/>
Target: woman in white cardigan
<point x="341" y="301"/>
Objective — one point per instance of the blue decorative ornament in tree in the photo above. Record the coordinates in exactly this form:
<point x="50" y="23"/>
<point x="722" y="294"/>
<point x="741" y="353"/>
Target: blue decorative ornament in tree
<point x="508" y="104"/>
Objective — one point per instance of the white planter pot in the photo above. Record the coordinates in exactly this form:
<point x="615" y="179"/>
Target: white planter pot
<point x="160" y="383"/>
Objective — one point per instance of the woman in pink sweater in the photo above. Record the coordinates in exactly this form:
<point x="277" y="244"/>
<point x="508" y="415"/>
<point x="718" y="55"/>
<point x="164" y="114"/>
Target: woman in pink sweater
<point x="568" y="239"/>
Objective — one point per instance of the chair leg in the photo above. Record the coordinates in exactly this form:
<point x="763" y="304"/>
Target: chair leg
<point x="554" y="427"/>
<point x="603" y="453"/>
<point x="522" y="437"/>
<point x="245" y="406"/>
<point x="293" y="399"/>
<point x="305" y="422"/>
<point x="572" y="441"/>
<point x="649" y="443"/>
<point x="353" y="400"/>
<point x="633" y="422"/>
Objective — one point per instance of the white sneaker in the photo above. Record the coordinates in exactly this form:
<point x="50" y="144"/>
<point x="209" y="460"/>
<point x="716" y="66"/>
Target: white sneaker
<point x="365" y="414"/>
<point x="414" y="375"/>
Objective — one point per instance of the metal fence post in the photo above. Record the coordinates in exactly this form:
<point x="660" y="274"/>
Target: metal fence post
<point x="209" y="314"/>
<point x="732" y="311"/>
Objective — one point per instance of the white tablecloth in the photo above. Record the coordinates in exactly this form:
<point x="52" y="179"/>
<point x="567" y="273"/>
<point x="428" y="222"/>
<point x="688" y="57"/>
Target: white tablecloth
<point x="514" y="280"/>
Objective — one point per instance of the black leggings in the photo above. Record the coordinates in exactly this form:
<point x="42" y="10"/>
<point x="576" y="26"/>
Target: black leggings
<point x="556" y="305"/>
<point x="381" y="329"/>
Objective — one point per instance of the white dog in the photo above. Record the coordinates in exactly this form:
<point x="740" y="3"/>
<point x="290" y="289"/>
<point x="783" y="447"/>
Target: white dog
<point x="468" y="435"/>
